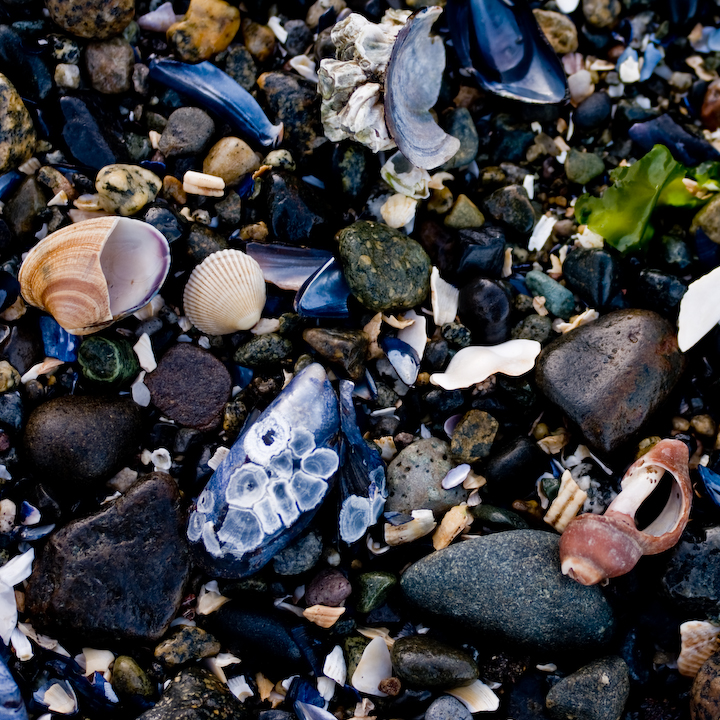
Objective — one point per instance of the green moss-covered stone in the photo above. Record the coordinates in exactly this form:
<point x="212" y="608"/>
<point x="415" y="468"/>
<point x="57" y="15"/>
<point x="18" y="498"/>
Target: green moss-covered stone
<point x="129" y="679"/>
<point x="125" y="189"/>
<point x="17" y="134"/>
<point x="107" y="361"/>
<point x="373" y="589"/>
<point x="353" y="648"/>
<point x="263" y="350"/>
<point x="385" y="269"/>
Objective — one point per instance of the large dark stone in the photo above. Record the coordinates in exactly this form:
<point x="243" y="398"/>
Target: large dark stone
<point x="75" y="440"/>
<point x="118" y="573"/>
<point x="428" y="663"/>
<point x="196" y="694"/>
<point x="593" y="274"/>
<point x="491" y="585"/>
<point x="610" y="376"/>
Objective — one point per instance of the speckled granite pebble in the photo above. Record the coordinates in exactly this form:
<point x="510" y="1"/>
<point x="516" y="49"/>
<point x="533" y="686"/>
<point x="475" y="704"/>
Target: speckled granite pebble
<point x="17" y="134"/>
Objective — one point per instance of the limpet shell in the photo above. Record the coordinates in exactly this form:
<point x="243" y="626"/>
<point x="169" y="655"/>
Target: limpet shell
<point x="225" y="293"/>
<point x="92" y="273"/>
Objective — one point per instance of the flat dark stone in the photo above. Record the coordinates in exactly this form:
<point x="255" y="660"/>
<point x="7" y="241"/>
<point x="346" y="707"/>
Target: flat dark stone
<point x="190" y="386"/>
<point x="83" y="136"/>
<point x="428" y="663"/>
<point x="118" y="573"/>
<point x="610" y="376"/>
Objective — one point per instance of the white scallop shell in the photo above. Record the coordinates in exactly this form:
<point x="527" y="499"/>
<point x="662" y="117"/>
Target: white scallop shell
<point x="699" y="640"/>
<point x="225" y="293"/>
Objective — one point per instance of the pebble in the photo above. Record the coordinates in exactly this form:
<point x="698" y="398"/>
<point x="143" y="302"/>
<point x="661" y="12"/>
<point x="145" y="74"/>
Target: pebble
<point x="623" y="366"/>
<point x="659" y="291"/>
<point x="170" y="224"/>
<point x="300" y="555"/>
<point x="187" y="644"/>
<point x="196" y="694"/>
<point x="464" y="214"/>
<point x="558" y="299"/>
<point x="473" y="436"/>
<point x="24" y="208"/>
<point x="299" y="37"/>
<point x="75" y="440"/>
<point x="594" y="275"/>
<point x="9" y="376"/>
<point x="93" y="19"/>
<point x="83" y="136"/>
<point x="12" y="411"/>
<point x="708" y="220"/>
<point x="482" y="253"/>
<point x="485" y="306"/>
<point x="559" y="30"/>
<point x="373" y="589"/>
<point x="601" y="13"/>
<point x="129" y="680"/>
<point x="447" y="707"/>
<point x="329" y="587"/>
<point x="491" y="598"/>
<point x="346" y="348"/>
<point x="202" y="242"/>
<point x="593" y="113"/>
<point x="207" y="28"/>
<point x="385" y="269"/>
<point x="188" y="132"/>
<point x="110" y="362"/>
<point x="597" y="691"/>
<point x="240" y="66"/>
<point x="533" y="327"/>
<point x="263" y="350"/>
<point x="424" y="662"/>
<point x="414" y="479"/>
<point x="125" y="189"/>
<point x="230" y="159"/>
<point x="110" y="65"/>
<point x="190" y="386"/>
<point x="259" y="39"/>
<point x="704" y="695"/>
<point x="355" y="168"/>
<point x="319" y="8"/>
<point x="582" y="167"/>
<point x="459" y="124"/>
<point x="82" y="584"/>
<point x="17" y="134"/>
<point x="512" y="206"/>
<point x="67" y="76"/>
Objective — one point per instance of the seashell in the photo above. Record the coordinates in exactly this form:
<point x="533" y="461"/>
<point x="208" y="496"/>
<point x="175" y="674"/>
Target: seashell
<point x="594" y="548"/>
<point x="225" y="293"/>
<point x="398" y="210"/>
<point x="97" y="661"/>
<point x="60" y="698"/>
<point x="403" y="358"/>
<point x="160" y="19"/>
<point x="217" y="91"/>
<point x="324" y="294"/>
<point x="699" y="640"/>
<point x="335" y="667"/>
<point x="699" y="309"/>
<point x="415" y="335"/>
<point x="456" y="476"/>
<point x="322" y="615"/>
<point x="93" y="273"/>
<point x="567" y="504"/>
<point x="287" y="266"/>
<point x="196" y="183"/>
<point x="421" y="524"/>
<point x="239" y="688"/>
<point x="407" y="102"/>
<point x="477" y="697"/>
<point x="403" y="177"/>
<point x="444" y="298"/>
<point x="502" y="46"/>
<point x="472" y="365"/>
<point x="374" y="667"/>
<point x="455" y="521"/>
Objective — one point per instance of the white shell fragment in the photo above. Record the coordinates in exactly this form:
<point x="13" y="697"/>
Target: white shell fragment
<point x="398" y="210"/>
<point x="11" y="574"/>
<point x="472" y="365"/>
<point x="699" y="309"/>
<point x="21" y="645"/>
<point x="196" y="183"/>
<point x="415" y="334"/>
<point x="225" y="293"/>
<point x="160" y="19"/>
<point x="444" y="297"/>
<point x="477" y="697"/>
<point x="240" y="688"/>
<point x="373" y="668"/>
<point x="210" y="599"/>
<point x="59" y="700"/>
<point x="541" y="232"/>
<point x="403" y="177"/>
<point x="98" y="661"/>
<point x="304" y="66"/>
<point x="143" y="350"/>
<point x="335" y="666"/>
<point x="422" y="523"/>
<point x="699" y="639"/>
<point x="456" y="476"/>
<point x="567" y="6"/>
<point x="567" y="504"/>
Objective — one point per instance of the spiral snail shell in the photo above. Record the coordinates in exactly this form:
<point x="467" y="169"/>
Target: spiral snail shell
<point x="594" y="548"/>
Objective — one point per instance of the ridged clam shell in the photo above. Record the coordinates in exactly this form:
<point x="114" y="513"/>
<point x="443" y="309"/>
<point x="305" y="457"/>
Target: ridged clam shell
<point x="225" y="293"/>
<point x="700" y="639"/>
<point x="92" y="273"/>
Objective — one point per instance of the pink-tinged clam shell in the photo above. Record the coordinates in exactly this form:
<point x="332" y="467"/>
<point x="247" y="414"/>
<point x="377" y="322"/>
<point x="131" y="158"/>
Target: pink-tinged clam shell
<point x="595" y="548"/>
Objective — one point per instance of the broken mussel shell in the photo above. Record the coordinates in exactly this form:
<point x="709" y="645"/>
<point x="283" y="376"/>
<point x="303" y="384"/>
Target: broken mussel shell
<point x="594" y="548"/>
<point x="216" y="90"/>
<point x="92" y="273"/>
<point x="500" y="44"/>
<point x="417" y="54"/>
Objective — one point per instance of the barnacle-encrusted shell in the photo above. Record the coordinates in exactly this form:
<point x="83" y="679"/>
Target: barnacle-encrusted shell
<point x="225" y="293"/>
<point x="699" y="640"/>
<point x="597" y="547"/>
<point x="92" y="273"/>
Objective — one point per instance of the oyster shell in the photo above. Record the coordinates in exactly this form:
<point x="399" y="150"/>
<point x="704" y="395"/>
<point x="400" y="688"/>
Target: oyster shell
<point x="225" y="293"/>
<point x="92" y="273"/>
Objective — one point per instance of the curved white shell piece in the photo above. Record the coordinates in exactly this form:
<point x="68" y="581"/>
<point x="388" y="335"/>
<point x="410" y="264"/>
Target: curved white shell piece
<point x="699" y="309"/>
<point x="374" y="667"/>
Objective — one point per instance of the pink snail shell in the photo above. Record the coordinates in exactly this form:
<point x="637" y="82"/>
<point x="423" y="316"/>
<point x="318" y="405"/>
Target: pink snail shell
<point x="594" y="548"/>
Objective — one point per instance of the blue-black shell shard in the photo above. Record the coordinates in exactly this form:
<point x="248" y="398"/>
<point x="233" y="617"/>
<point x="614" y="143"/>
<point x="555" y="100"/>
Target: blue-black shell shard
<point x="8" y="182"/>
<point x="325" y="294"/>
<point x="500" y="43"/>
<point x="682" y="11"/>
<point x="306" y="711"/>
<point x="58" y="342"/>
<point x="9" y="289"/>
<point x="12" y="706"/>
<point x="287" y="266"/>
<point x="412" y="87"/>
<point x="362" y="474"/>
<point x="403" y="358"/>
<point x="711" y="481"/>
<point x="272" y="481"/>
<point x="217" y="91"/>
<point x="686" y="148"/>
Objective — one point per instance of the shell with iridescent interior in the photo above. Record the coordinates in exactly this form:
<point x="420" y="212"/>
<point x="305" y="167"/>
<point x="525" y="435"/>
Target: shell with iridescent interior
<point x="92" y="273"/>
<point x="225" y="293"/>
